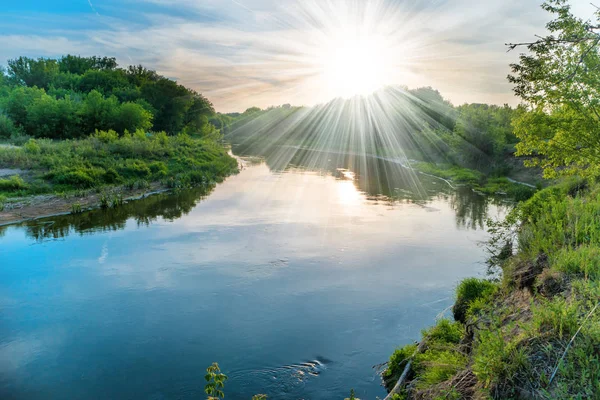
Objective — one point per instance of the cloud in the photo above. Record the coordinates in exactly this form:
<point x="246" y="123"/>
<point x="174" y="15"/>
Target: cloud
<point x="263" y="52"/>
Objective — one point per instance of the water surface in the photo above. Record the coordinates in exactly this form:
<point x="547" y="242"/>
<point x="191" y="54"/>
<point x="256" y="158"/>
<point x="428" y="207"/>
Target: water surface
<point x="296" y="275"/>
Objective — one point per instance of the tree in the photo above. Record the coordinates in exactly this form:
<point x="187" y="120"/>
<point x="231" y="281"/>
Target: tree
<point x="559" y="82"/>
<point x="80" y="65"/>
<point x="30" y="72"/>
<point x="132" y="117"/>
<point x="98" y="112"/>
<point x="482" y="131"/>
<point x="48" y="117"/>
<point x="18" y="101"/>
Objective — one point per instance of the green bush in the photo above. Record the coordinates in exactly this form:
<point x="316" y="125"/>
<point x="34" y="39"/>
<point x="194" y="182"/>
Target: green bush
<point x="111" y="176"/>
<point x="135" y="169"/>
<point x="13" y="183"/>
<point x="398" y="361"/>
<point x="32" y="147"/>
<point x="467" y="292"/>
<point x="445" y="331"/>
<point x="79" y="178"/>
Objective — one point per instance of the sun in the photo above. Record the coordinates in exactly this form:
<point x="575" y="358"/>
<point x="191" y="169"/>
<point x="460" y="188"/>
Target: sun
<point x="355" y="64"/>
<point x="354" y="67"/>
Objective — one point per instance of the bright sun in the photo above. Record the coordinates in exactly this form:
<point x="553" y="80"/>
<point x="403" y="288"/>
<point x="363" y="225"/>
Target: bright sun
<point x="355" y="65"/>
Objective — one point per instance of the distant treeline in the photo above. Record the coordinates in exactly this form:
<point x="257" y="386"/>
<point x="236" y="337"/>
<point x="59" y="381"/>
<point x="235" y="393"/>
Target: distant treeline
<point x="73" y="96"/>
<point x="420" y="122"/>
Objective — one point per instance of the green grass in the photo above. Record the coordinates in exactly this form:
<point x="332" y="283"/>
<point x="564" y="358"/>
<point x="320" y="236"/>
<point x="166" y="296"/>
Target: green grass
<point x="105" y="159"/>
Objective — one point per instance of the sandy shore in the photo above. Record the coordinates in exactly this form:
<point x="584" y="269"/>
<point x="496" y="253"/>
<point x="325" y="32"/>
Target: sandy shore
<point x="36" y="207"/>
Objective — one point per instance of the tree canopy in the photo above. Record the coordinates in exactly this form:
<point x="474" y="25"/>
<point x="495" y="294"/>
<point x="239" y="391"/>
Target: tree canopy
<point x="559" y="82"/>
<point x="73" y="96"/>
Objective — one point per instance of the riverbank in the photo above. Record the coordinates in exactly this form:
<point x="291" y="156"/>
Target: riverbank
<point x="531" y="333"/>
<point x="480" y="182"/>
<point x="44" y="177"/>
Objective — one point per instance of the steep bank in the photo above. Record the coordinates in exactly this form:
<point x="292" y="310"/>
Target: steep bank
<point x="534" y="333"/>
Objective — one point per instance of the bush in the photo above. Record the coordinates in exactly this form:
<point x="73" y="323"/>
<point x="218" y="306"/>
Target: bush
<point x="32" y="147"/>
<point x="397" y="362"/>
<point x="135" y="169"/>
<point x="467" y="292"/>
<point x="79" y="178"/>
<point x="445" y="331"/>
<point x="111" y="176"/>
<point x="13" y="183"/>
<point x="7" y="128"/>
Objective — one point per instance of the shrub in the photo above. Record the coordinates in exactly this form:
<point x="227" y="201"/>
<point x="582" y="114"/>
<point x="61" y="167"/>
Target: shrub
<point x="135" y="169"/>
<point x="158" y="169"/>
<point x="397" y="362"/>
<point x="13" y="183"/>
<point x="468" y="291"/>
<point x="445" y="331"/>
<point x="112" y="176"/>
<point x="80" y="178"/>
<point x="32" y="147"/>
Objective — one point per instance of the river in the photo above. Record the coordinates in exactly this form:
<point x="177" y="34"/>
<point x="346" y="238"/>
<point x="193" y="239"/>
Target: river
<point x="297" y="275"/>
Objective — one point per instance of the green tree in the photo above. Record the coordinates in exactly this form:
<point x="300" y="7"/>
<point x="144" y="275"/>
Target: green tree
<point x="481" y="133"/>
<point x="104" y="81"/>
<point x="80" y="65"/>
<point x="98" y="112"/>
<point x="558" y="80"/>
<point x="31" y="72"/>
<point x="131" y="117"/>
<point x="48" y="117"/>
<point x="17" y="102"/>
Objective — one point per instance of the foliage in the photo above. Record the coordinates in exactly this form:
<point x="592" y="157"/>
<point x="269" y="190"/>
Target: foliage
<point x="107" y="159"/>
<point x="468" y="292"/>
<point x="12" y="184"/>
<point x="558" y="80"/>
<point x="215" y="382"/>
<point x="481" y="134"/>
<point x="73" y="96"/>
<point x="352" y="396"/>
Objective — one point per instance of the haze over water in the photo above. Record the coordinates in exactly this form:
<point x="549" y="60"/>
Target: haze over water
<point x="296" y="280"/>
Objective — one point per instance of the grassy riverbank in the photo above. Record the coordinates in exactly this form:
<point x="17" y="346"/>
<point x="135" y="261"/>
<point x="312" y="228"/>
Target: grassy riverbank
<point x="477" y="180"/>
<point x="107" y="162"/>
<point x="534" y="333"/>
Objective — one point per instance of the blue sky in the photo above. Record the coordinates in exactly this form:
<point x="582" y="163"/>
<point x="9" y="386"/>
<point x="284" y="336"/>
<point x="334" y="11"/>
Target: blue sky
<point x="242" y="53"/>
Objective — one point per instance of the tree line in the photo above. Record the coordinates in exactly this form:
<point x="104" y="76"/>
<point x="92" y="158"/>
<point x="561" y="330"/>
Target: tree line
<point x="72" y="96"/>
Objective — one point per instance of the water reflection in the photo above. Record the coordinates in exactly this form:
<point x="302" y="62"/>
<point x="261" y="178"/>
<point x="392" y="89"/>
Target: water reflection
<point x="382" y="179"/>
<point x="379" y="180"/>
<point x="169" y="206"/>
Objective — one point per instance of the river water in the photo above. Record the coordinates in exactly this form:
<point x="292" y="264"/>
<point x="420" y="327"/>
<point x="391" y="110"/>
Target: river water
<point x="297" y="275"/>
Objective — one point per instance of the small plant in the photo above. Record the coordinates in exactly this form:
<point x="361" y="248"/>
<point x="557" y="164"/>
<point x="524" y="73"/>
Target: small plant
<point x="215" y="382"/>
<point x="352" y="396"/>
<point x="116" y="201"/>
<point x="104" y="202"/>
<point x="76" y="208"/>
<point x="32" y="147"/>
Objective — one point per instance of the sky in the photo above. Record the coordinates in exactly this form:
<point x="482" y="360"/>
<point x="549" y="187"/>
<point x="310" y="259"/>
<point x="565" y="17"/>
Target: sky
<point x="243" y="53"/>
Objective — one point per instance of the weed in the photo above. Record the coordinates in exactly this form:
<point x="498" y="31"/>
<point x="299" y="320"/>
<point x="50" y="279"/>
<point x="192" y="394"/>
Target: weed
<point x="76" y="208"/>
